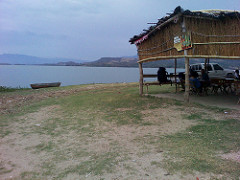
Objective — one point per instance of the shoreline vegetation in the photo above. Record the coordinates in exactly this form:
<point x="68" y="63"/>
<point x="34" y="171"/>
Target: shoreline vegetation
<point x="10" y="89"/>
<point x="107" y="131"/>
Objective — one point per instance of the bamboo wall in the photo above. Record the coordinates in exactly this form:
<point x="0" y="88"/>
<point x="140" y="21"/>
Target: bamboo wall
<point x="219" y="29"/>
<point x="161" y="43"/>
<point x="203" y="30"/>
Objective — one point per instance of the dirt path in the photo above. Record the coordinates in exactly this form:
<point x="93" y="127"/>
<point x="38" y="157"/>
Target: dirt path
<point x="221" y="100"/>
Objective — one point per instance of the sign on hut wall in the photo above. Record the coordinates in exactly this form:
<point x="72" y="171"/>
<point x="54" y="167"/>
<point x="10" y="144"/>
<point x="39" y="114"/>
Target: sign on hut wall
<point x="183" y="42"/>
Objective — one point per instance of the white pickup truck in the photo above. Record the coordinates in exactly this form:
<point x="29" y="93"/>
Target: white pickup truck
<point x="215" y="71"/>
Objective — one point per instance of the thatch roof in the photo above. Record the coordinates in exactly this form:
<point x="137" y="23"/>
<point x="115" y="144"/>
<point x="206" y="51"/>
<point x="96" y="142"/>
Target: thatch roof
<point x="213" y="14"/>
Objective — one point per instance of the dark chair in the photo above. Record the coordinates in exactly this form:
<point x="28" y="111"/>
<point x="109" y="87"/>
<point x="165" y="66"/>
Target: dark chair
<point x="237" y="86"/>
<point x="194" y="89"/>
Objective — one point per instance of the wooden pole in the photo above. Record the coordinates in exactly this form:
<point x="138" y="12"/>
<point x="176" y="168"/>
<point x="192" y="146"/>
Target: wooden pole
<point x="209" y="43"/>
<point x="205" y="65"/>
<point x="187" y="83"/>
<point x="187" y="86"/>
<point x="157" y="58"/>
<point x="175" y="72"/>
<point x="140" y="79"/>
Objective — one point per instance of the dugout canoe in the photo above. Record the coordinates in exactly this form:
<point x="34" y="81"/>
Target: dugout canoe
<point x="45" y="85"/>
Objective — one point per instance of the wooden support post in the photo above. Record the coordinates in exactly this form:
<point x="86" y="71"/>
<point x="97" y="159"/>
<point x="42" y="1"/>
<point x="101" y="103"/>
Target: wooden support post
<point x="187" y="83"/>
<point x="140" y="79"/>
<point x="187" y="86"/>
<point x="205" y="65"/>
<point x="175" y="72"/>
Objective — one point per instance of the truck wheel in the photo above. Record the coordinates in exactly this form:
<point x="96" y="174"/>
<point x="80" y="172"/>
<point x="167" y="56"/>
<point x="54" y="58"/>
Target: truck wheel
<point x="229" y="75"/>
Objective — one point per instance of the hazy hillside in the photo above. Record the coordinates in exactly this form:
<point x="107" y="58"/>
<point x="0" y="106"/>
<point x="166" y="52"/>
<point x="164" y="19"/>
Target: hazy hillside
<point x="128" y="61"/>
<point x="25" y="59"/>
<point x="114" y="62"/>
<point x="132" y="62"/>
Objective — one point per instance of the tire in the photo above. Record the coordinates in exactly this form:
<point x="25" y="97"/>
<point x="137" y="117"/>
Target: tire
<point x="229" y="75"/>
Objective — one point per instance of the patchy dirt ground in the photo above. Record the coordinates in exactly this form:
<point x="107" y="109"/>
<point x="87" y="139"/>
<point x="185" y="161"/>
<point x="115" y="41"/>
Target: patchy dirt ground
<point x="216" y="100"/>
<point x="234" y="156"/>
<point x="28" y="153"/>
<point x="10" y="103"/>
<point x="17" y="155"/>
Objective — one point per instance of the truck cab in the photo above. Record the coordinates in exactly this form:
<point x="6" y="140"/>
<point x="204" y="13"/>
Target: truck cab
<point x="215" y="71"/>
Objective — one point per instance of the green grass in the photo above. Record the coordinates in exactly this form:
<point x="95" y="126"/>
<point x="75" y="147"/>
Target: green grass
<point x="107" y="105"/>
<point x="10" y="89"/>
<point x="45" y="146"/>
<point x="96" y="165"/>
<point x="5" y="120"/>
<point x="195" y="116"/>
<point x="212" y="108"/>
<point x="161" y="89"/>
<point x="195" y="149"/>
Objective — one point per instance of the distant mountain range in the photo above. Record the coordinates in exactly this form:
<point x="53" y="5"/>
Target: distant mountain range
<point x="132" y="62"/>
<point x="25" y="59"/>
<point x="127" y="61"/>
<point x="114" y="62"/>
<point x="17" y="59"/>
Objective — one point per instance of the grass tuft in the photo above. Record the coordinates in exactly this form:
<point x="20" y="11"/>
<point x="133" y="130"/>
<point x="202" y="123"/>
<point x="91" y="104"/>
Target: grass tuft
<point x="197" y="148"/>
<point x="10" y="89"/>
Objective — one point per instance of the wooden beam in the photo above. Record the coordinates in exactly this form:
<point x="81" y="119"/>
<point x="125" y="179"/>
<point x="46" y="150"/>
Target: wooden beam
<point x="200" y="17"/>
<point x="175" y="72"/>
<point x="157" y="58"/>
<point x="164" y="23"/>
<point x="140" y="79"/>
<point x="187" y="83"/>
<point x="205" y="65"/>
<point x="209" y="43"/>
<point x="155" y="75"/>
<point x="149" y="75"/>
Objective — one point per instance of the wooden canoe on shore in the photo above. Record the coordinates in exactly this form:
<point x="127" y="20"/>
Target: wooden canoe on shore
<point x="45" y="85"/>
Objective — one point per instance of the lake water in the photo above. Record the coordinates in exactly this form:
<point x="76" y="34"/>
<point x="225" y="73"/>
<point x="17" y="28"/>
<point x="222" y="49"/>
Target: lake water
<point x="24" y="75"/>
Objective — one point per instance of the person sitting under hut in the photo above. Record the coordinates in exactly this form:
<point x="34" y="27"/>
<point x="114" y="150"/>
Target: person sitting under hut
<point x="195" y="83"/>
<point x="204" y="78"/>
<point x="236" y="74"/>
<point x="193" y="73"/>
<point x="181" y="77"/>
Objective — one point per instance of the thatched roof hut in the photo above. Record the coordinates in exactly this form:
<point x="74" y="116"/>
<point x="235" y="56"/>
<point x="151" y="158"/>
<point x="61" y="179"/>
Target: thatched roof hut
<point x="190" y="34"/>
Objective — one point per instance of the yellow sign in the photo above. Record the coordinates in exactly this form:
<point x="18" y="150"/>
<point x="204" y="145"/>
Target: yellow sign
<point x="183" y="42"/>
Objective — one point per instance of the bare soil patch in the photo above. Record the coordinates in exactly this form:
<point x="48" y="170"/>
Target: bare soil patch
<point x="135" y="156"/>
<point x="15" y="149"/>
<point x="234" y="156"/>
<point x="169" y="119"/>
<point x="29" y="149"/>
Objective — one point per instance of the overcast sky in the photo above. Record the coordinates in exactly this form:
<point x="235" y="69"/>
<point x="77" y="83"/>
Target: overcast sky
<point x="84" y="29"/>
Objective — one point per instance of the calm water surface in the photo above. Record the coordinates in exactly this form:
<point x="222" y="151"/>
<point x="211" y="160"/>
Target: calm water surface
<point x="24" y="75"/>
